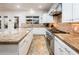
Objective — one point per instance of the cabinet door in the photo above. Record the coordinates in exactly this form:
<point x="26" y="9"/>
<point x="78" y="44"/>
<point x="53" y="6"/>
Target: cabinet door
<point x="66" y="12"/>
<point x="25" y="44"/>
<point x="61" y="48"/>
<point x="75" y="12"/>
<point x="58" y="50"/>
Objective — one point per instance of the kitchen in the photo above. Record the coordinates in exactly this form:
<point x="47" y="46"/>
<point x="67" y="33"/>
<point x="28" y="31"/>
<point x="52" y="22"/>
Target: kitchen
<point x="39" y="29"/>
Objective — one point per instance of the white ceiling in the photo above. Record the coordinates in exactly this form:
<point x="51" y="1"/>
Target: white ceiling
<point x="25" y="6"/>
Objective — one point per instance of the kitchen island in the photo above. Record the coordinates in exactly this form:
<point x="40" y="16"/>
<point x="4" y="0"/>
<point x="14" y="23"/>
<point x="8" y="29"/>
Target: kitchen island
<point x="16" y="42"/>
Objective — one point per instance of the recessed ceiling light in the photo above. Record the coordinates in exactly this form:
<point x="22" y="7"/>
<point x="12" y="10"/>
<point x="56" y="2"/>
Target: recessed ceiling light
<point x="18" y="6"/>
<point x="32" y="11"/>
<point x="40" y="6"/>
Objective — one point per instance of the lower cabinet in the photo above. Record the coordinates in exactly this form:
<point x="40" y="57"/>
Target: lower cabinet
<point x="60" y="48"/>
<point x="25" y="44"/>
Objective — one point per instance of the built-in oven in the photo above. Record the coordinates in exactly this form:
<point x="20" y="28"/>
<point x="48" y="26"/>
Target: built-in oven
<point x="50" y="42"/>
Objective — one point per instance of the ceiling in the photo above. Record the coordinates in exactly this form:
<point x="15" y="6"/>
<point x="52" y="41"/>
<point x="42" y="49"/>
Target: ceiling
<point x="25" y="6"/>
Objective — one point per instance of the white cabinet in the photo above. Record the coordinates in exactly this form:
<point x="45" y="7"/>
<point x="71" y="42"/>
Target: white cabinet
<point x="70" y="12"/>
<point x="67" y="12"/>
<point x="39" y="31"/>
<point x="75" y="12"/>
<point x="25" y="44"/>
<point x="60" y="48"/>
<point x="46" y="18"/>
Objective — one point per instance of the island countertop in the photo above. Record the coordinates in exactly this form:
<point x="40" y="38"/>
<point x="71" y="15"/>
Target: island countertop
<point x="13" y="37"/>
<point x="71" y="40"/>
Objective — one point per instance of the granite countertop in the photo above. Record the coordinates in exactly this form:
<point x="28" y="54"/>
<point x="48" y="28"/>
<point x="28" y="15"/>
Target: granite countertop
<point x="13" y="37"/>
<point x="71" y="40"/>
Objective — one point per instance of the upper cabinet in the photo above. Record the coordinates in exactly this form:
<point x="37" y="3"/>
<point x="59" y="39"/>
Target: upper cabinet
<point x="67" y="10"/>
<point x="75" y="12"/>
<point x="70" y="12"/>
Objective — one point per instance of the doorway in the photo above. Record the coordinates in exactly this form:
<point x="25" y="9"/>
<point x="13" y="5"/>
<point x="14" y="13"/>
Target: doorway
<point x="16" y="23"/>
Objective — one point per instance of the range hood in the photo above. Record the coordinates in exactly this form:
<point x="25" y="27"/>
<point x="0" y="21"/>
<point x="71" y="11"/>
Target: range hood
<point x="55" y="13"/>
<point x="56" y="9"/>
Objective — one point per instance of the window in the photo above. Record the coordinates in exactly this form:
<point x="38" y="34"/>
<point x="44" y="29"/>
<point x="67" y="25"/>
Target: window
<point x="32" y="19"/>
<point x="5" y="16"/>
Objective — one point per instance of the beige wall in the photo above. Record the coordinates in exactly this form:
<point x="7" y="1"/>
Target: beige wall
<point x="21" y="15"/>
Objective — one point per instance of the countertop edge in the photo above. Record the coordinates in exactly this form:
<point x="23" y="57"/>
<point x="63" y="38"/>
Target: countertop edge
<point x="3" y="43"/>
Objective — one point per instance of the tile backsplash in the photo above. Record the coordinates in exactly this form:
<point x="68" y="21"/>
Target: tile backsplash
<point x="68" y="27"/>
<point x="75" y="28"/>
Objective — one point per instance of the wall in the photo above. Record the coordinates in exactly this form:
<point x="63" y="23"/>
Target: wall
<point x="68" y="27"/>
<point x="21" y="15"/>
